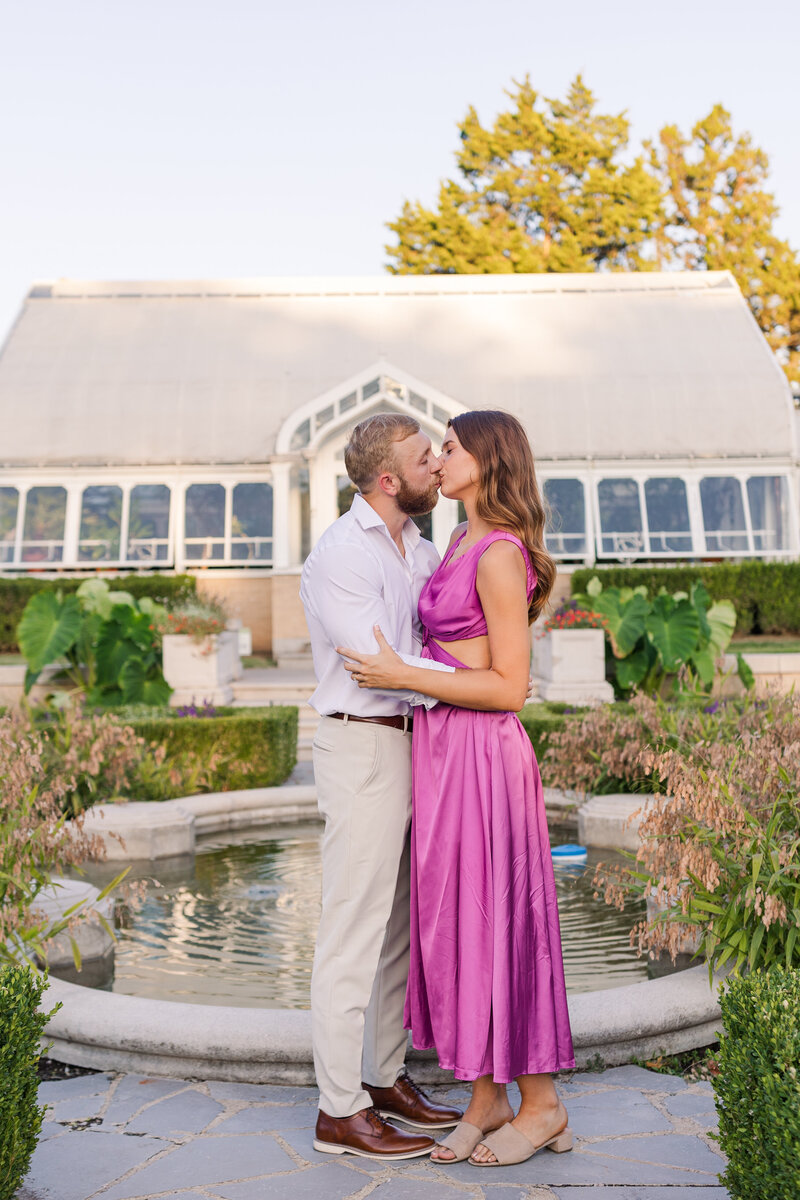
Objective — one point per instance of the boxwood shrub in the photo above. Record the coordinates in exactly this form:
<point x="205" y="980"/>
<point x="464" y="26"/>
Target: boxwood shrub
<point x="765" y="594"/>
<point x="245" y="747"/>
<point x="757" y="1091"/>
<point x="15" y="594"/>
<point x="21" y="1028"/>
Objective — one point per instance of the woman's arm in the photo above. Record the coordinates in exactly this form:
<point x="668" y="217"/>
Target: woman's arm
<point x="501" y="584"/>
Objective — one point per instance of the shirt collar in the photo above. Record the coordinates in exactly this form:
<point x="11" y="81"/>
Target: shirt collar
<point x="368" y="518"/>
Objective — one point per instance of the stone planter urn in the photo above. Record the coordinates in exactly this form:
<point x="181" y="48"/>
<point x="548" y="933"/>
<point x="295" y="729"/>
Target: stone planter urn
<point x="570" y="665"/>
<point x="199" y="671"/>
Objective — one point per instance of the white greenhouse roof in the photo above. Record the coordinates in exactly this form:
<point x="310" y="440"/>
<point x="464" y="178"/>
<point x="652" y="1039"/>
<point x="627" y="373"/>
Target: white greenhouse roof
<point x="597" y="366"/>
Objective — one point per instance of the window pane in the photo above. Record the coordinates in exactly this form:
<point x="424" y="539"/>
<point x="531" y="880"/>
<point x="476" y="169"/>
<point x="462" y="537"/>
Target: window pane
<point x="668" y="515"/>
<point x="768" y="496"/>
<point x="252" y="522"/>
<point x="148" y="525"/>
<point x="101" y="510"/>
<point x="9" y="503"/>
<point x="346" y="491"/>
<point x="301" y="436"/>
<point x="566" y="518"/>
<point x="43" y="532"/>
<point x="723" y="513"/>
<point x="620" y="516"/>
<point x="205" y="521"/>
<point x="424" y="523"/>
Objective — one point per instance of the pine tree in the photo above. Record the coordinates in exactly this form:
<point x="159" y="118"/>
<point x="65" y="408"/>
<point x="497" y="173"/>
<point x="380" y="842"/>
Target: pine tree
<point x="542" y="190"/>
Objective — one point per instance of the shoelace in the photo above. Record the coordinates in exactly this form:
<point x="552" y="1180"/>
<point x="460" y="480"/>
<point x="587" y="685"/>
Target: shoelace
<point x="376" y="1120"/>
<point x="408" y="1084"/>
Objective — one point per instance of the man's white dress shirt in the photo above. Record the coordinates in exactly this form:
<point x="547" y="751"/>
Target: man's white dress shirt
<point x="354" y="578"/>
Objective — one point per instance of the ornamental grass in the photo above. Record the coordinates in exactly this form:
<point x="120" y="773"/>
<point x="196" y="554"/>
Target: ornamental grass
<point x="719" y="852"/>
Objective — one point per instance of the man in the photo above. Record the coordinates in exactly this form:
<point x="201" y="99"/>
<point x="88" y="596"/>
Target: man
<point x="368" y="568"/>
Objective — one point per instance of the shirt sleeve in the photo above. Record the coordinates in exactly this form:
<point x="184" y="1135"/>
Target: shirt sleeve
<point x="347" y="590"/>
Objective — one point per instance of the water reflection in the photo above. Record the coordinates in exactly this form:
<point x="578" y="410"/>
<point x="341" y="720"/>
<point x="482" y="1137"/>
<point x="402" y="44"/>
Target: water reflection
<point x="236" y="924"/>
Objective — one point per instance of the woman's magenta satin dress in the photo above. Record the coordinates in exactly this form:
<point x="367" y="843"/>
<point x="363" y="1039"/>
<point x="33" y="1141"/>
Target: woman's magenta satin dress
<point x="486" y="982"/>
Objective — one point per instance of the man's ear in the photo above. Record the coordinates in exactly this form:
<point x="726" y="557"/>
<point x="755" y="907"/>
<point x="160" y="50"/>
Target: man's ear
<point x="389" y="483"/>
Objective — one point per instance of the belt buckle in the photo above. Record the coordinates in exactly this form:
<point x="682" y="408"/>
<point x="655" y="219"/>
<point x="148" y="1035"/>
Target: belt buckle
<point x="406" y="720"/>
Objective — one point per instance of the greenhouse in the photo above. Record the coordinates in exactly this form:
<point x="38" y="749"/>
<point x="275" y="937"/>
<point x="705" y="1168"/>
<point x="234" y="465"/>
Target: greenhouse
<point x="202" y="425"/>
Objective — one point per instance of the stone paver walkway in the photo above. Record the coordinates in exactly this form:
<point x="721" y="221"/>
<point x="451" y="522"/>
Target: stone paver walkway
<point x="639" y="1136"/>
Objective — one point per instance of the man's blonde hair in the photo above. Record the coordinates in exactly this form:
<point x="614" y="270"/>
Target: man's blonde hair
<point x="370" y="449"/>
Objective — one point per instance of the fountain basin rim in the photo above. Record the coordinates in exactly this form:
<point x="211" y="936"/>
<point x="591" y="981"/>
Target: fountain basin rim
<point x="111" y="1031"/>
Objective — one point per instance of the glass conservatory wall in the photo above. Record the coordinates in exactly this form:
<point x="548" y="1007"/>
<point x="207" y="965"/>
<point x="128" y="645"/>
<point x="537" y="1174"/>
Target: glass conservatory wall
<point x="101" y="517"/>
<point x="148" y="523"/>
<point x="43" y="530"/>
<point x="9" y="506"/>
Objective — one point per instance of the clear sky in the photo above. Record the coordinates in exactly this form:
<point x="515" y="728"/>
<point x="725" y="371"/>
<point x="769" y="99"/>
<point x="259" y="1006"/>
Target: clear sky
<point x="146" y="139"/>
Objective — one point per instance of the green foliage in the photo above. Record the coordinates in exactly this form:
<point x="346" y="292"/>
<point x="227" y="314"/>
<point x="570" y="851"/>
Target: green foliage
<point x="550" y="186"/>
<point x="757" y="1090"/>
<point x="15" y="593"/>
<point x="547" y="188"/>
<point x="765" y="594"/>
<point x="652" y="640"/>
<point x="107" y="639"/>
<point x="540" y="722"/>
<point x="21" y="1028"/>
<point x="238" y="748"/>
<point x="750" y="916"/>
<point x="718" y="216"/>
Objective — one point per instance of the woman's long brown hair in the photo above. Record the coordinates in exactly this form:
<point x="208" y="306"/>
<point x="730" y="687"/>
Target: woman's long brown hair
<point x="508" y="494"/>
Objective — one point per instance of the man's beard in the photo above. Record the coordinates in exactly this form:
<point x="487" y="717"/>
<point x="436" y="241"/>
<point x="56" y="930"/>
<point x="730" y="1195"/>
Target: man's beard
<point x="415" y="503"/>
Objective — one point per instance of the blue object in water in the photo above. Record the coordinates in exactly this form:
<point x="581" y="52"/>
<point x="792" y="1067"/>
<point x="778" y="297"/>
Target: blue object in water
<point x="569" y="853"/>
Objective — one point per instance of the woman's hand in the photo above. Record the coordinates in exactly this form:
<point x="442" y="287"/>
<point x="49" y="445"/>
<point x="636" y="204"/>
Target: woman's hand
<point x="381" y="670"/>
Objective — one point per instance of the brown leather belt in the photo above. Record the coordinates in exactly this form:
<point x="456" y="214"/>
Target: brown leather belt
<point x="404" y="723"/>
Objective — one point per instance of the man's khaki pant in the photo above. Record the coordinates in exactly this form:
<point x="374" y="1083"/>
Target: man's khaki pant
<point x="363" y="778"/>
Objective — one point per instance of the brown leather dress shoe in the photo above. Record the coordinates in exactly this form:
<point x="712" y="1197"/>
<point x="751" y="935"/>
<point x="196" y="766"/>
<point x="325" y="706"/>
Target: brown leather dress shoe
<point x="368" y="1135"/>
<point x="408" y="1102"/>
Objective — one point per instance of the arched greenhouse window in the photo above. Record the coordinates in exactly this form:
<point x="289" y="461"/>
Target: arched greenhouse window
<point x="620" y="516"/>
<point x="148" y="523"/>
<point x="43" y="530"/>
<point x="668" y="516"/>
<point x="101" y="512"/>
<point x="723" y="513"/>
<point x="9" y="504"/>
<point x="205" y="522"/>
<point x="251" y="532"/>
<point x="566" y="519"/>
<point x="768" y="497"/>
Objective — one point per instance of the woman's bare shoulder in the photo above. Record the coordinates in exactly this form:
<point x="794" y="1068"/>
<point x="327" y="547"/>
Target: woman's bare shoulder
<point x="501" y="556"/>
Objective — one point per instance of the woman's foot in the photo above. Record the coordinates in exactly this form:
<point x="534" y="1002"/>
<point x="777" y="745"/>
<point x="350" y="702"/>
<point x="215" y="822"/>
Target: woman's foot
<point x="538" y="1125"/>
<point x="486" y="1113"/>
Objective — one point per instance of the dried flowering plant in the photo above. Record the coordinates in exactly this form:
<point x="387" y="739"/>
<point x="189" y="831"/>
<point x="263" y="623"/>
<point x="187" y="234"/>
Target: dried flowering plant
<point x="719" y="851"/>
<point x="98" y="754"/>
<point x="37" y="841"/>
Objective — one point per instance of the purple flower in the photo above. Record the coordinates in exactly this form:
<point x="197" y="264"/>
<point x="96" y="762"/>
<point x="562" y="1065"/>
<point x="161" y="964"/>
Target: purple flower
<point x="712" y="708"/>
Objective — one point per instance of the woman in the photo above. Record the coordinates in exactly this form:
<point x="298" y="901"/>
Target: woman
<point x="486" y="980"/>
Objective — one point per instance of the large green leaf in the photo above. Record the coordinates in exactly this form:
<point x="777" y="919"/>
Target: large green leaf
<point x="626" y="622"/>
<point x="632" y="669"/>
<point x="673" y="630"/>
<point x="744" y="671"/>
<point x="703" y="663"/>
<point x="48" y="628"/>
<point x="722" y="622"/>
<point x="156" y="691"/>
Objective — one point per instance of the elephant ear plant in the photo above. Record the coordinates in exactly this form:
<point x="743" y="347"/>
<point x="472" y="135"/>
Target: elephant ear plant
<point x="107" y="641"/>
<point x="653" y="640"/>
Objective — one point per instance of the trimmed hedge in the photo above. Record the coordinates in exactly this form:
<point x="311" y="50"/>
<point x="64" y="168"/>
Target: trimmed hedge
<point x="757" y="1091"/>
<point x="257" y="747"/>
<point x="540" y="721"/>
<point x="15" y="594"/>
<point x="21" y="1028"/>
<point x="766" y="595"/>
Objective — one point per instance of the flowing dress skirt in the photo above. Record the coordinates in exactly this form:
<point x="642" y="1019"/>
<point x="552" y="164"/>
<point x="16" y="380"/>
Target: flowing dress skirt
<point x="486" y="981"/>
